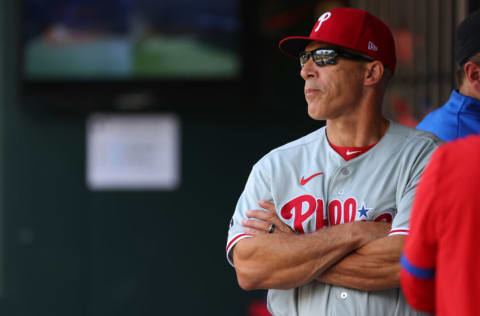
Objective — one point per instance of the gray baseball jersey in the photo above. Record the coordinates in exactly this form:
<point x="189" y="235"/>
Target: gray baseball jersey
<point x="312" y="187"/>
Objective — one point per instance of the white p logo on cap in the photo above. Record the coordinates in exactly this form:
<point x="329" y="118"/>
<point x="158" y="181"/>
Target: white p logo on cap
<point x="322" y="19"/>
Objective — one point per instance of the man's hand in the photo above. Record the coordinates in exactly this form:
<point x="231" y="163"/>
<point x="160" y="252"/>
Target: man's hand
<point x="262" y="221"/>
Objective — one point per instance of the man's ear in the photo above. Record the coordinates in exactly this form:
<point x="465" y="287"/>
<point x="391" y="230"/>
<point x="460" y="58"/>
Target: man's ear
<point x="472" y="75"/>
<point x="373" y="72"/>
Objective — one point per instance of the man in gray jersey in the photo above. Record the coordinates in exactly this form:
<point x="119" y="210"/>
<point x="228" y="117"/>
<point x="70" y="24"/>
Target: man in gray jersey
<point x="335" y="203"/>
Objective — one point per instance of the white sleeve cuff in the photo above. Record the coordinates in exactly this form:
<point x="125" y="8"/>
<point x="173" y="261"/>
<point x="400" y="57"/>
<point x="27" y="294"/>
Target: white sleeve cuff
<point x="232" y="243"/>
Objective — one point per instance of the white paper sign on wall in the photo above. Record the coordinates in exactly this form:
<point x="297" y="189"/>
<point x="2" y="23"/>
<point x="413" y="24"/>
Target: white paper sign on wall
<point x="133" y="152"/>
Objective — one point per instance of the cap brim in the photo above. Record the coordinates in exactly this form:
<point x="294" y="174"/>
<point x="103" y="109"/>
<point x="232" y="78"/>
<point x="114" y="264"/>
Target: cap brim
<point x="292" y="46"/>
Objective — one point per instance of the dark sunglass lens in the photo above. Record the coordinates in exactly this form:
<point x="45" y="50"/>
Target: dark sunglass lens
<point x="322" y="60"/>
<point x="320" y="57"/>
<point x="304" y="58"/>
<point x="324" y="57"/>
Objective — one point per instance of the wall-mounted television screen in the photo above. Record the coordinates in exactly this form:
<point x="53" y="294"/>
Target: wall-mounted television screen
<point x="107" y="47"/>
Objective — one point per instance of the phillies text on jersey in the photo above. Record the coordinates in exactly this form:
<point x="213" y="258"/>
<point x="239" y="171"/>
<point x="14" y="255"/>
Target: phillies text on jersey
<point x="305" y="208"/>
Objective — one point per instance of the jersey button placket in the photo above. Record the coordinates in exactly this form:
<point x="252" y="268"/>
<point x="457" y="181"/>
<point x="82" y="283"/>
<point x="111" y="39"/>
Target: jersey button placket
<point x="345" y="172"/>
<point x="344" y="295"/>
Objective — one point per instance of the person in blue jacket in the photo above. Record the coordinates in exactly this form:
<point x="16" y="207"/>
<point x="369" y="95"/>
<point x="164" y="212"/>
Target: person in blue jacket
<point x="460" y="116"/>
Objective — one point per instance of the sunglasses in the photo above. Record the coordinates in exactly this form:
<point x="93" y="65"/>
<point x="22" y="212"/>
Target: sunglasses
<point x="328" y="56"/>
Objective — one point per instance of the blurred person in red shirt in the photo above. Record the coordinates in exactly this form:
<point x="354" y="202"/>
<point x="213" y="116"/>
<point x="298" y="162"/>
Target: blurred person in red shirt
<point x="441" y="258"/>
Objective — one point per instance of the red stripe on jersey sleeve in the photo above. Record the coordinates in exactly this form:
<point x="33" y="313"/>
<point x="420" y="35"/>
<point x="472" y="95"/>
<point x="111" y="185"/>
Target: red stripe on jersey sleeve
<point x="398" y="232"/>
<point x="236" y="238"/>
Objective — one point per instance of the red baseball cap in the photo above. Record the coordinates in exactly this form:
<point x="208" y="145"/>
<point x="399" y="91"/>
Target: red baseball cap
<point x="350" y="28"/>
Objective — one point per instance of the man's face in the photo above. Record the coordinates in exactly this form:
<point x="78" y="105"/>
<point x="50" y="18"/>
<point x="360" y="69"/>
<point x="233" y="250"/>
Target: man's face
<point x="332" y="91"/>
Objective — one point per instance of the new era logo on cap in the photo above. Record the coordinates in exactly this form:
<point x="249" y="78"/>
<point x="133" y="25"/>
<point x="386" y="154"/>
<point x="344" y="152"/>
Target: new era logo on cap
<point x="372" y="46"/>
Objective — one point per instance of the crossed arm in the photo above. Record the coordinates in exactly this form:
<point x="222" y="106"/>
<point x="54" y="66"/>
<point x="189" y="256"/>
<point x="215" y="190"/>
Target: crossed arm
<point x="356" y="255"/>
<point x="372" y="267"/>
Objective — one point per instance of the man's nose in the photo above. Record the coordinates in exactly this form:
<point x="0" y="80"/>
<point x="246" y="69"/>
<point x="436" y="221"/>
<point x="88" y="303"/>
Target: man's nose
<point x="308" y="70"/>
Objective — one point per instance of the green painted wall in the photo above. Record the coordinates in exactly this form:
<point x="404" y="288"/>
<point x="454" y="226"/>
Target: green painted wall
<point x="65" y="250"/>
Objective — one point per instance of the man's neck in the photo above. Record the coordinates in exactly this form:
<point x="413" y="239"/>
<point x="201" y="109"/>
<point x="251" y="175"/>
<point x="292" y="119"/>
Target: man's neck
<point x="356" y="133"/>
<point x="469" y="91"/>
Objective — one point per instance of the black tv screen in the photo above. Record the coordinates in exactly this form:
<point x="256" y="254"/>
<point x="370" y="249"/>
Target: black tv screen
<point x="108" y="47"/>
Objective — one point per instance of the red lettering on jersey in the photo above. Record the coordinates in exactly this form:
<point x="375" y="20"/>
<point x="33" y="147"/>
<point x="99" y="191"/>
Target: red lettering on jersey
<point x="385" y="217"/>
<point x="349" y="210"/>
<point x="335" y="212"/>
<point x="321" y="220"/>
<point x="338" y="212"/>
<point x="295" y="206"/>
